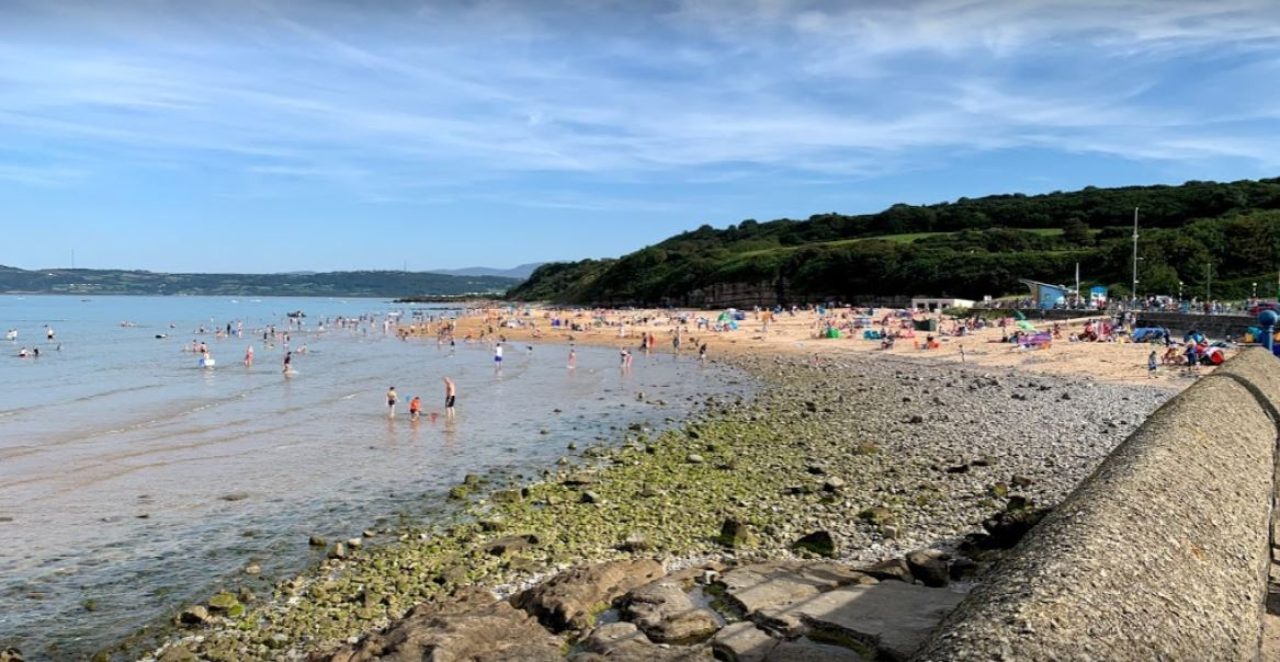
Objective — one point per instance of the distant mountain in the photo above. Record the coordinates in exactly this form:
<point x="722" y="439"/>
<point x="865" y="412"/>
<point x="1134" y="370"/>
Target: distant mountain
<point x="337" y="284"/>
<point x="521" y="272"/>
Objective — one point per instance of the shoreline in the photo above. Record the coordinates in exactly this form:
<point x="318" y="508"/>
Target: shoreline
<point x="886" y="455"/>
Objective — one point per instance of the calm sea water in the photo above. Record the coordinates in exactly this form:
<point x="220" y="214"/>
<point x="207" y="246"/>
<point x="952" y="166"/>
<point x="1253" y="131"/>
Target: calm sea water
<point x="132" y="481"/>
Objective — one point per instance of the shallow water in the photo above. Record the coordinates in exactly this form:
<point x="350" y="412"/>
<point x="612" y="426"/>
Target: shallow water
<point x="132" y="481"/>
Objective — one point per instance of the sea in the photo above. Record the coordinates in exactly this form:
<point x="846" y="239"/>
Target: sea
<point x="134" y="482"/>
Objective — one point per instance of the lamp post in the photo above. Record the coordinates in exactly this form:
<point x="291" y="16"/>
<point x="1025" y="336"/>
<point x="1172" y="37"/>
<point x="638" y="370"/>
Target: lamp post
<point x="1179" y="291"/>
<point x="1133" y="294"/>
<point x="1255" y="292"/>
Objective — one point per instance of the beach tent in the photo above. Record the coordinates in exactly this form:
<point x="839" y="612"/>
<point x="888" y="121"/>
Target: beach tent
<point x="1149" y="334"/>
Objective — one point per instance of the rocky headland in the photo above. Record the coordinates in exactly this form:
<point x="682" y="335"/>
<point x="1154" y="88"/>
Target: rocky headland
<point x="838" y="514"/>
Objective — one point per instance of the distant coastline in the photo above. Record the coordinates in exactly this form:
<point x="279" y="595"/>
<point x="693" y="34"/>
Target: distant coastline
<point x="352" y="284"/>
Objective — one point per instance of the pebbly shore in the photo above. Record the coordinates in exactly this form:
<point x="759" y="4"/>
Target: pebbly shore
<point x="869" y="458"/>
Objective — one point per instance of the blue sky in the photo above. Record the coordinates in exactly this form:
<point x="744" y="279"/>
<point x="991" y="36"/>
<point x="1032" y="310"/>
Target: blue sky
<point x="278" y="135"/>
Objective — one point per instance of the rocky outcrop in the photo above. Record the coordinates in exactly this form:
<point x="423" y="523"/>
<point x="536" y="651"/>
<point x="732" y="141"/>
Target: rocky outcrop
<point x="624" y="642"/>
<point x="666" y="613"/>
<point x="571" y="600"/>
<point x="465" y="630"/>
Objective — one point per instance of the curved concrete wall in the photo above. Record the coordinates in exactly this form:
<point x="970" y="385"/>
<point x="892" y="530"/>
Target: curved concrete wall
<point x="1162" y="554"/>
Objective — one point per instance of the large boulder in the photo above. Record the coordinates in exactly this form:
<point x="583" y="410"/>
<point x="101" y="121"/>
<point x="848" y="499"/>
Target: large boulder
<point x="571" y="600"/>
<point x="666" y="613"/>
<point x="624" y="642"/>
<point x="461" y="631"/>
<point x="776" y="585"/>
<point x="892" y="618"/>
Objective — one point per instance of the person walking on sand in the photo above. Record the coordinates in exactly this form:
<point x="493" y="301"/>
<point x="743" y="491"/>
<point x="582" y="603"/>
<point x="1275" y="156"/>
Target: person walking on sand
<point x="391" y="402"/>
<point x="415" y="408"/>
<point x="1152" y="364"/>
<point x="450" y="397"/>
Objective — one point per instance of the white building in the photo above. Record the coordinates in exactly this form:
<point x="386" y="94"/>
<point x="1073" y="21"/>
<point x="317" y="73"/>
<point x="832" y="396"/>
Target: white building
<point x="936" y="305"/>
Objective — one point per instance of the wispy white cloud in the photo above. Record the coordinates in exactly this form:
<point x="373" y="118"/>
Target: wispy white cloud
<point x="388" y="99"/>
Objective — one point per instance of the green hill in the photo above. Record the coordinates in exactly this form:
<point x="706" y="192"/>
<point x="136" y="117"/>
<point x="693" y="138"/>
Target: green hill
<point x="338" y="284"/>
<point x="967" y="248"/>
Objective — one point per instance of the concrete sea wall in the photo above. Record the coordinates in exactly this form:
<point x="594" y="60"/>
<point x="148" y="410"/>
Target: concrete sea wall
<point x="1162" y="554"/>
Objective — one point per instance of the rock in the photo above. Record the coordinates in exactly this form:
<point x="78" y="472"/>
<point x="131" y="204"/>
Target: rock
<point x="818" y="542"/>
<point x="694" y="458"/>
<point x="508" y="544"/>
<point x="623" y="642"/>
<point x="590" y="497"/>
<point x="667" y="614"/>
<point x="506" y="496"/>
<point x="806" y="650"/>
<point x="459" y="492"/>
<point x="471" y="480"/>
<point x="317" y="541"/>
<point x="981" y="462"/>
<point x="174" y="653"/>
<point x="999" y="491"/>
<point x="898" y="617"/>
<point x="743" y="642"/>
<point x="891" y="569"/>
<point x="962" y="569"/>
<point x="355" y="543"/>
<point x="1006" y="529"/>
<point x="253" y="569"/>
<point x="833" y="484"/>
<point x="635" y="542"/>
<point x="235" y="496"/>
<point x="775" y="585"/>
<point x="878" y="515"/>
<point x="736" y="535"/>
<point x="197" y="615"/>
<point x="578" y="480"/>
<point x="1021" y="482"/>
<point x="572" y="599"/>
<point x="462" y="631"/>
<point x="930" y="567"/>
<point x="816" y="470"/>
<point x="866" y="448"/>
<point x="339" y="551"/>
<point x="223" y="602"/>
<point x="958" y="469"/>
<point x="916" y="420"/>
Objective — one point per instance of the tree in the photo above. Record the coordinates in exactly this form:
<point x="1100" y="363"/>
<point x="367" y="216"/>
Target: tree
<point x="1075" y="232"/>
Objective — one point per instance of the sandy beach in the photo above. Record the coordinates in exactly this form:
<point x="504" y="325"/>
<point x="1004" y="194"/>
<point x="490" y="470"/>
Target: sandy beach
<point x="797" y="334"/>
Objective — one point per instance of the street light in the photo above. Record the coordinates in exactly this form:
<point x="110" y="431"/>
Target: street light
<point x="1179" y="291"/>
<point x="1255" y="290"/>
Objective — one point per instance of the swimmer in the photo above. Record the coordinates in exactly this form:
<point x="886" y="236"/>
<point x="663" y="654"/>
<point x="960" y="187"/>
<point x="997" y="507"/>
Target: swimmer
<point x="248" y="357"/>
<point x="391" y="402"/>
<point x="450" y="397"/>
